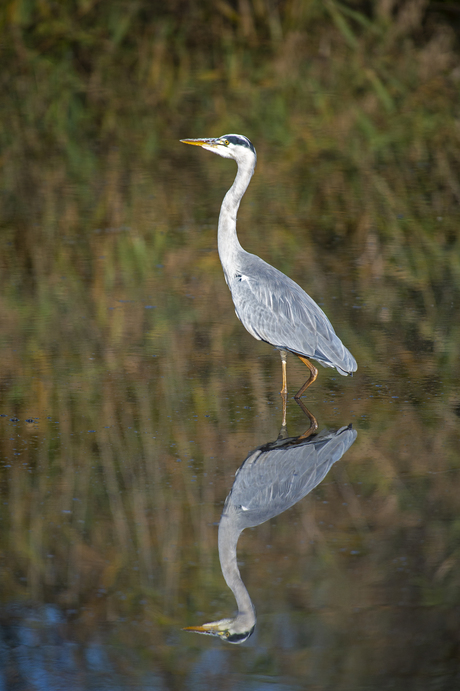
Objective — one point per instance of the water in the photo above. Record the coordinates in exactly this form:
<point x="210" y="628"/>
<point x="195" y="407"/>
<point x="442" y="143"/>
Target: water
<point x="130" y="396"/>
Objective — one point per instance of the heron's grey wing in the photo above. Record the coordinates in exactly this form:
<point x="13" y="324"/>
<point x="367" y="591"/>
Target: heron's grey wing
<point x="273" y="308"/>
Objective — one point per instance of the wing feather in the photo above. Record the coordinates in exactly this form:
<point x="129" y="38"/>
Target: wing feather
<point x="273" y="308"/>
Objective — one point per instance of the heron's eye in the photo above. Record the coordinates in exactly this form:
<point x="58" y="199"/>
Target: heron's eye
<point x="226" y="142"/>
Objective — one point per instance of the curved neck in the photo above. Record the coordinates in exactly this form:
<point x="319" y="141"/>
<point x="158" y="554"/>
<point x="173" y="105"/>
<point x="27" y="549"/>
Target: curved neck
<point x="228" y="539"/>
<point x="227" y="239"/>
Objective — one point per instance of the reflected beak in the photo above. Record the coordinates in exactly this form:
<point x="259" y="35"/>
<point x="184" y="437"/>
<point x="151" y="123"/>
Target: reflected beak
<point x="200" y="142"/>
<point x="211" y="629"/>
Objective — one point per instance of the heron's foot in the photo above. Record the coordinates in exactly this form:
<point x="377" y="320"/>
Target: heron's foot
<point x="302" y="389"/>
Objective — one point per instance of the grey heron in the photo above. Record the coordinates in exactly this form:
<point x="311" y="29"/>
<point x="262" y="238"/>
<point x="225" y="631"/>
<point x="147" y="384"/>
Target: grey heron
<point x="273" y="477"/>
<point x="271" y="306"/>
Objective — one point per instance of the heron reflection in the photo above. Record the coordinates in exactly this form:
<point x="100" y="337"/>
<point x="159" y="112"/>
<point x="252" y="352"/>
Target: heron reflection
<point x="273" y="477"/>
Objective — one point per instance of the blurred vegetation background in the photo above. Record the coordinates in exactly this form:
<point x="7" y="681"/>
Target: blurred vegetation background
<point x="116" y="324"/>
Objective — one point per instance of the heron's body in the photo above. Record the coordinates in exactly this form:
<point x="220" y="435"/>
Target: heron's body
<point x="274" y="309"/>
<point x="271" y="306"/>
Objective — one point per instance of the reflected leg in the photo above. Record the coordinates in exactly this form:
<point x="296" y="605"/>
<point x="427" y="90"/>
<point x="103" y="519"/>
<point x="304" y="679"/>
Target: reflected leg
<point x="312" y="378"/>
<point x="313" y="422"/>
<point x="283" y="354"/>
<point x="283" y="430"/>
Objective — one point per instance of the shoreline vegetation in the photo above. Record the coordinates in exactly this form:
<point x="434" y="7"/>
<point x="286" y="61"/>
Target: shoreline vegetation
<point x="354" y="106"/>
<point x="341" y="100"/>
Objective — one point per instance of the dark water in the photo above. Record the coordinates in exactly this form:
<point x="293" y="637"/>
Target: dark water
<point x="130" y="396"/>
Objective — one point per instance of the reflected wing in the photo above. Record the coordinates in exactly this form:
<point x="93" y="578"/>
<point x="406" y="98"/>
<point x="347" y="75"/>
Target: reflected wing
<point x="271" y="481"/>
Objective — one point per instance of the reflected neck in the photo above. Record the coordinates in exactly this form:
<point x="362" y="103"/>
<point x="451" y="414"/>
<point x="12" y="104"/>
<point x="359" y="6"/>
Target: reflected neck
<point x="228" y="539"/>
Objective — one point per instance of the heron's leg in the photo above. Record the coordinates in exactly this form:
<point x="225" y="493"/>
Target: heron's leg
<point x="283" y="354"/>
<point x="310" y="380"/>
<point x="313" y="422"/>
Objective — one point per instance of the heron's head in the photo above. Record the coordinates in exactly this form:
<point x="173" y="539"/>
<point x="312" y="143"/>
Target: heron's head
<point x="234" y="146"/>
<point x="228" y="630"/>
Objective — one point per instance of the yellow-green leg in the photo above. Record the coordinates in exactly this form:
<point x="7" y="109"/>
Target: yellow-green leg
<point x="310" y="380"/>
<point x="283" y="354"/>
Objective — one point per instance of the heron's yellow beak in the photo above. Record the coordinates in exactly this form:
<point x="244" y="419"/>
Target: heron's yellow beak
<point x="199" y="142"/>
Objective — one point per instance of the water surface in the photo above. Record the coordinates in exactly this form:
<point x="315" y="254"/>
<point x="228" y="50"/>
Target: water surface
<point x="130" y="396"/>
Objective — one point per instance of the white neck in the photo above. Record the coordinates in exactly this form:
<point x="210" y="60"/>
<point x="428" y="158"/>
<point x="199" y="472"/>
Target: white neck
<point x="227" y="239"/>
